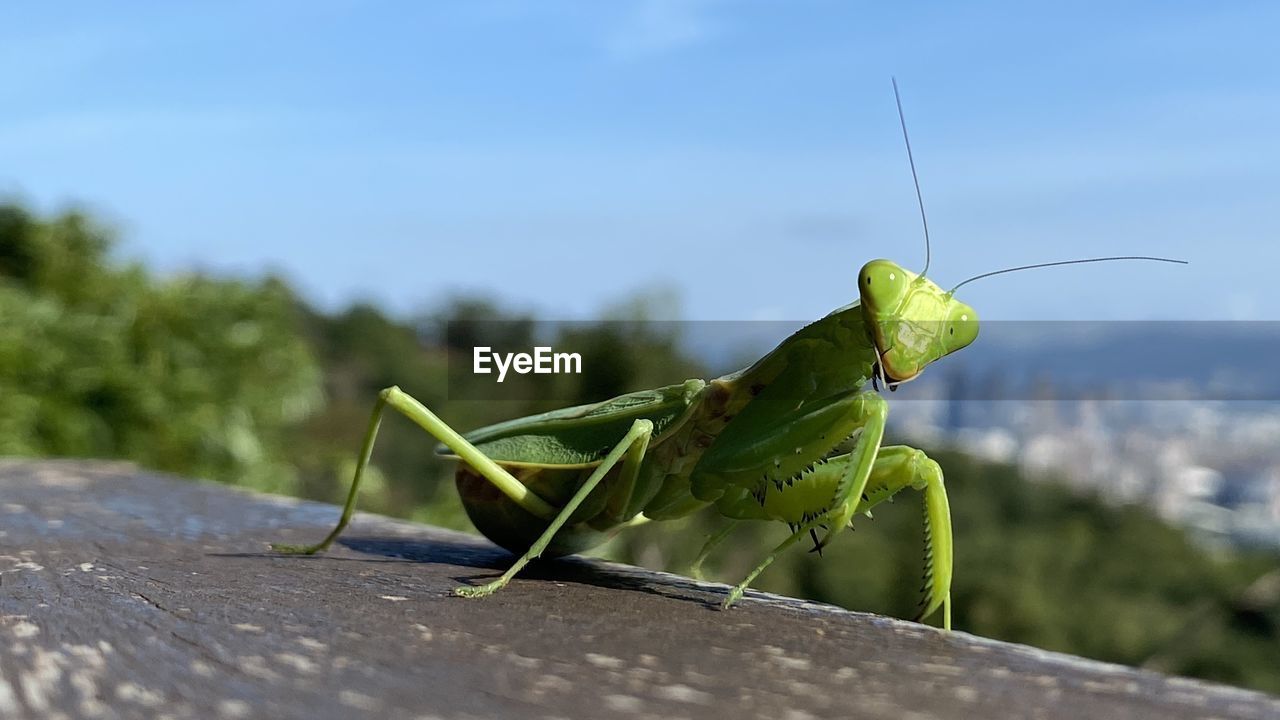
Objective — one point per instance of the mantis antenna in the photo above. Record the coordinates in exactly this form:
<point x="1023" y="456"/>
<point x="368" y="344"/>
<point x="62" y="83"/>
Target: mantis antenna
<point x="902" y="119"/>
<point x="924" y="220"/>
<point x="1067" y="262"/>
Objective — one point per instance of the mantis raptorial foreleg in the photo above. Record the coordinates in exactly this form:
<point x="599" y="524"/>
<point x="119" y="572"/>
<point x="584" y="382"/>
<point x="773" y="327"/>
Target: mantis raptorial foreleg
<point x="396" y="398"/>
<point x="898" y="467"/>
<point x="874" y="412"/>
<point x="895" y="468"/>
<point x="633" y="446"/>
<point x="868" y="412"/>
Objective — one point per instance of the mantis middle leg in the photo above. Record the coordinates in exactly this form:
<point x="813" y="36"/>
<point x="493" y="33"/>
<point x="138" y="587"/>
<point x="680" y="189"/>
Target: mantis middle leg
<point x="713" y="541"/>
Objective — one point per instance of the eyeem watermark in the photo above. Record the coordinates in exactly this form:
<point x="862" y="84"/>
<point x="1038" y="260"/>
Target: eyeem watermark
<point x="543" y="361"/>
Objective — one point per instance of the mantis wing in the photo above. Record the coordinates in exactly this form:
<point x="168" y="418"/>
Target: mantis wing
<point x="581" y="436"/>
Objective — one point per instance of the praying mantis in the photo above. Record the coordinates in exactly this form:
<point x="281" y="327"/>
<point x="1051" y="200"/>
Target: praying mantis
<point x="755" y="445"/>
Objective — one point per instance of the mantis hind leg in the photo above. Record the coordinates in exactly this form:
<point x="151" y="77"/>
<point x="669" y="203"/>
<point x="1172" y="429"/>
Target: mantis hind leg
<point x="397" y="399"/>
<point x="632" y="446"/>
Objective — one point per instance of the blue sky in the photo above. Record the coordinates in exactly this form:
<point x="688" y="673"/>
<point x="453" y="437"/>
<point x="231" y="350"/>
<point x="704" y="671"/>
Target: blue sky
<point x="742" y="155"/>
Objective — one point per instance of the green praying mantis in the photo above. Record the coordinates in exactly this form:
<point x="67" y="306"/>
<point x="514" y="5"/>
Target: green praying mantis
<point x="758" y="444"/>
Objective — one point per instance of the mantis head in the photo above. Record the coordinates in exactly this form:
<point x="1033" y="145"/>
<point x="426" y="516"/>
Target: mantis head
<point x="911" y="321"/>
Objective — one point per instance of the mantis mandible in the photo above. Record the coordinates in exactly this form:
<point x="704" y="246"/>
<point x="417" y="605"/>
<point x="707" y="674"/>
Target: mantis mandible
<point x="756" y="444"/>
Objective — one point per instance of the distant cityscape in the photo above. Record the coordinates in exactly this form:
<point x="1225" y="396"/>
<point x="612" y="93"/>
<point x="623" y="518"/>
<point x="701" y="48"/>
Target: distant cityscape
<point x="1210" y="466"/>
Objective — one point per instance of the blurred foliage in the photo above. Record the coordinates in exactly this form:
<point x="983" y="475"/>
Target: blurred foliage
<point x="244" y="383"/>
<point x="189" y="374"/>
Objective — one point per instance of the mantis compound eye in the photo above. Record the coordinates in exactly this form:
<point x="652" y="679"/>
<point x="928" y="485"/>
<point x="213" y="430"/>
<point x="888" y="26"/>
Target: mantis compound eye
<point x="882" y="284"/>
<point x="961" y="327"/>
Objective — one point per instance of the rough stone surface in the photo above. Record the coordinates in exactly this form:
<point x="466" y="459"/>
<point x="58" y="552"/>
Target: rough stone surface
<point x="128" y="594"/>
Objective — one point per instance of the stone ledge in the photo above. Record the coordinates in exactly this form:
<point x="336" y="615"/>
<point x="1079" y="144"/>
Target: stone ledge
<point x="125" y="593"/>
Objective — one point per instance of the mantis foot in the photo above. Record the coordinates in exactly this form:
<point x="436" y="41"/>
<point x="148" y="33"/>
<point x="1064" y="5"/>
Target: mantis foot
<point x="734" y="596"/>
<point x="297" y="549"/>
<point x="475" y="591"/>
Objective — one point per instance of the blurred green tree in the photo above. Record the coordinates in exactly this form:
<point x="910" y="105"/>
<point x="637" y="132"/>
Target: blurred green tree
<point x="190" y="374"/>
